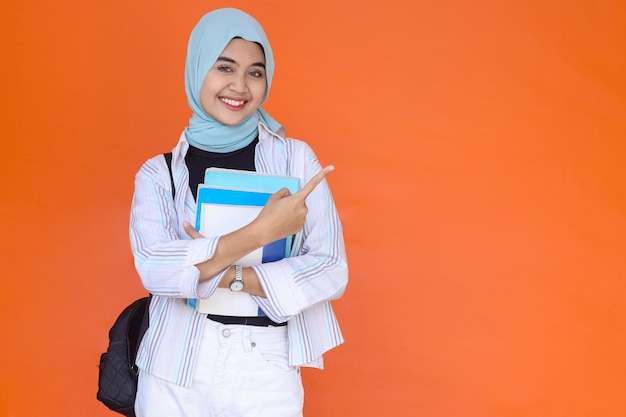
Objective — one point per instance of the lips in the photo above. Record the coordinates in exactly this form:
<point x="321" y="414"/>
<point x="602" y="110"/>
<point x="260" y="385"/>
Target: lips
<point x="232" y="103"/>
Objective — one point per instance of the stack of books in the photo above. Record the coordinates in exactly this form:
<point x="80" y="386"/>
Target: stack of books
<point x="228" y="200"/>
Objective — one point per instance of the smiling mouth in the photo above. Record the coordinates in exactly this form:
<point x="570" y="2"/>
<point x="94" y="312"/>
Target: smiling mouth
<point x="231" y="102"/>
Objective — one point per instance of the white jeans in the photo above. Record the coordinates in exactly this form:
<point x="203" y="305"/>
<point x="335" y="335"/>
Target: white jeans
<point x="242" y="371"/>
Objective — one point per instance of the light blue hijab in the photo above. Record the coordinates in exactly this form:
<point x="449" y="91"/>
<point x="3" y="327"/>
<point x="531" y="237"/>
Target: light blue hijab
<point x="207" y="41"/>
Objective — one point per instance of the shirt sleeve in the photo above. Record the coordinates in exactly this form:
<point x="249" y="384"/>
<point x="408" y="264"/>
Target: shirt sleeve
<point x="165" y="257"/>
<point x="318" y="272"/>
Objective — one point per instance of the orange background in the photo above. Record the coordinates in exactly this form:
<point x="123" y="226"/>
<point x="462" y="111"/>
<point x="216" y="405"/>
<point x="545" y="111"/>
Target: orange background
<point x="480" y="150"/>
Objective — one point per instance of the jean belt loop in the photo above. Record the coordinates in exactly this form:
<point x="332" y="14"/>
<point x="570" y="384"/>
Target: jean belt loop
<point x="246" y="339"/>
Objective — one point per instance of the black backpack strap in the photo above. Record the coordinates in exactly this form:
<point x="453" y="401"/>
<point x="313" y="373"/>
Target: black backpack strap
<point x="168" y="160"/>
<point x="133" y="347"/>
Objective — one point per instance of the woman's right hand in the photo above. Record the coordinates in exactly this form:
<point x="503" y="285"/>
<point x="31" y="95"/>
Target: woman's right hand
<point x="284" y="213"/>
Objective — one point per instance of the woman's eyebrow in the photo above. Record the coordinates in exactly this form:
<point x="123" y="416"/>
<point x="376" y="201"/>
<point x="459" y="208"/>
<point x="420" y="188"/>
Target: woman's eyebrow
<point x="232" y="61"/>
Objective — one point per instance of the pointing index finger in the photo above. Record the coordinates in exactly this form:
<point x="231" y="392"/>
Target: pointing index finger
<point x="314" y="181"/>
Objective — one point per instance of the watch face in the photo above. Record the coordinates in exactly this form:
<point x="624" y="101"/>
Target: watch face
<point x="236" y="286"/>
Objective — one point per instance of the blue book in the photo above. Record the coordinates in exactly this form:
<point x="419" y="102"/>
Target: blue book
<point x="249" y="180"/>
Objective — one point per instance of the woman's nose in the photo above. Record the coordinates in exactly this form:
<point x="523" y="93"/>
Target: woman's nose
<point x="238" y="84"/>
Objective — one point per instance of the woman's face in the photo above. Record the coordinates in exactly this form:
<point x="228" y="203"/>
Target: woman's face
<point x="234" y="88"/>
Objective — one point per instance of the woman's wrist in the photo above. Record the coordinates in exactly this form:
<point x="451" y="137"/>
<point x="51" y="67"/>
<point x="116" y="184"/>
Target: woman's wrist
<point x="251" y="283"/>
<point x="227" y="277"/>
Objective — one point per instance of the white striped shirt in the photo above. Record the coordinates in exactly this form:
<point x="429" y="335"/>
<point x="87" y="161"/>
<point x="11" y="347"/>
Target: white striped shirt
<point x="298" y="288"/>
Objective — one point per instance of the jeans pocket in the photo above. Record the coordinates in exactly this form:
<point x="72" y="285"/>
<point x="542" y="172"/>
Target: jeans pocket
<point x="277" y="358"/>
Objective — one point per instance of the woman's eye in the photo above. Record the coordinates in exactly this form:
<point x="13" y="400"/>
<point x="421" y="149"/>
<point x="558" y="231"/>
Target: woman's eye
<point x="256" y="74"/>
<point x="224" y="68"/>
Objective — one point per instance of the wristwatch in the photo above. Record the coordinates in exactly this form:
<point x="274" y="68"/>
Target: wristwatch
<point x="237" y="284"/>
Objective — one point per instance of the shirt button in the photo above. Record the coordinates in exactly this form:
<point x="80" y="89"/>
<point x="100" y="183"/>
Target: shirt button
<point x="226" y="332"/>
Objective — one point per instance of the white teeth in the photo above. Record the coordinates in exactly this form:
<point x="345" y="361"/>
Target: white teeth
<point x="235" y="103"/>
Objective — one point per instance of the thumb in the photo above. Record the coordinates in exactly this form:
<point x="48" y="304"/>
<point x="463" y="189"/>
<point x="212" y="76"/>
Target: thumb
<point x="282" y="193"/>
<point x="191" y="231"/>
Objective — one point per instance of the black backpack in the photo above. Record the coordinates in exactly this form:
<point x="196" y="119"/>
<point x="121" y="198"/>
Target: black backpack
<point x="118" y="374"/>
<point x="117" y="380"/>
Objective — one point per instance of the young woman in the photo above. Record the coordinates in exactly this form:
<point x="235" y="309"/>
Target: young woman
<point x="196" y="364"/>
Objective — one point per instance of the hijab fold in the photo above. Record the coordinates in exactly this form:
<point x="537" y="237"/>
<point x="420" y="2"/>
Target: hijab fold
<point x="207" y="41"/>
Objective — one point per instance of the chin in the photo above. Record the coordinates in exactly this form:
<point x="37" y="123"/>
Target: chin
<point x="230" y="121"/>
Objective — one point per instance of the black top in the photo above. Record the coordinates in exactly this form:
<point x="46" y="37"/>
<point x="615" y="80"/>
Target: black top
<point x="198" y="160"/>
